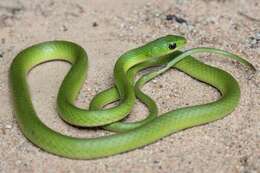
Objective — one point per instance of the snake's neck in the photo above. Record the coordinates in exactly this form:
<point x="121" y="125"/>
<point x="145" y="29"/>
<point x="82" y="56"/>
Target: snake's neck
<point x="122" y="66"/>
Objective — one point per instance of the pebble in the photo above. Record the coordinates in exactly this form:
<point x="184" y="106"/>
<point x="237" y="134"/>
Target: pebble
<point x="64" y="28"/>
<point x="122" y="25"/>
<point x="157" y="14"/>
<point x="8" y="126"/>
<point x="257" y="36"/>
<point x="156" y="162"/>
<point x="253" y="41"/>
<point x="1" y="54"/>
<point x="94" y="24"/>
<point x="176" y="18"/>
<point x="18" y="162"/>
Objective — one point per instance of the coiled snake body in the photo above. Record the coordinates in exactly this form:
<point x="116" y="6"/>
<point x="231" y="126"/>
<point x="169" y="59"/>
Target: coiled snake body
<point x="129" y="136"/>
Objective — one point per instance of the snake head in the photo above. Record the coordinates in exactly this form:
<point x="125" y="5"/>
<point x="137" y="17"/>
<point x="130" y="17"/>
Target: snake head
<point x="165" y="45"/>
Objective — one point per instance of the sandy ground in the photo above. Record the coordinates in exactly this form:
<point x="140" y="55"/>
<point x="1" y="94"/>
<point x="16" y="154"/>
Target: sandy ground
<point x="106" y="29"/>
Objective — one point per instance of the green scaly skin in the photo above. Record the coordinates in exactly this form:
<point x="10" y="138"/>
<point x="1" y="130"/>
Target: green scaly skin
<point x="111" y="95"/>
<point x="152" y="130"/>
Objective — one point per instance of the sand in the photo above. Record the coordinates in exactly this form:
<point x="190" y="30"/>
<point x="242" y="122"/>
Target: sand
<point x="106" y="29"/>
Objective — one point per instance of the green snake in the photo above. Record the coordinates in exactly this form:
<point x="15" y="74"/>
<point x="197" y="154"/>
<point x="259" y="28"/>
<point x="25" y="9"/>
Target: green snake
<point x="164" y="51"/>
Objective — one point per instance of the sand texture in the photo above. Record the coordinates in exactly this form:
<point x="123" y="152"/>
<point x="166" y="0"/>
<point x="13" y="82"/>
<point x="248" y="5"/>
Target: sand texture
<point x="107" y="29"/>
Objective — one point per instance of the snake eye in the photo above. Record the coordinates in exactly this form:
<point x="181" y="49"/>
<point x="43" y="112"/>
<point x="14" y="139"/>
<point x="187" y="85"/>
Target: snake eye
<point x="172" y="46"/>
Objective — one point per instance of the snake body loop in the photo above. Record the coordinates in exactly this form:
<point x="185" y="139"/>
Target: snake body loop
<point x="133" y="135"/>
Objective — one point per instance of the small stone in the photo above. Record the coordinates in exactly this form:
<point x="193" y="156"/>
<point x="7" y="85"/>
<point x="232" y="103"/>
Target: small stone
<point x="252" y="40"/>
<point x="64" y="28"/>
<point x="236" y="27"/>
<point x="257" y="36"/>
<point x="122" y="25"/>
<point x="155" y="161"/>
<point x="8" y="126"/>
<point x="169" y="17"/>
<point x="157" y="14"/>
<point x="18" y="162"/>
<point x="94" y="24"/>
<point x="176" y="18"/>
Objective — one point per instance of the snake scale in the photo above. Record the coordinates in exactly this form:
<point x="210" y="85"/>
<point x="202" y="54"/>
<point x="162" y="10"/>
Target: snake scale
<point x="164" y="51"/>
